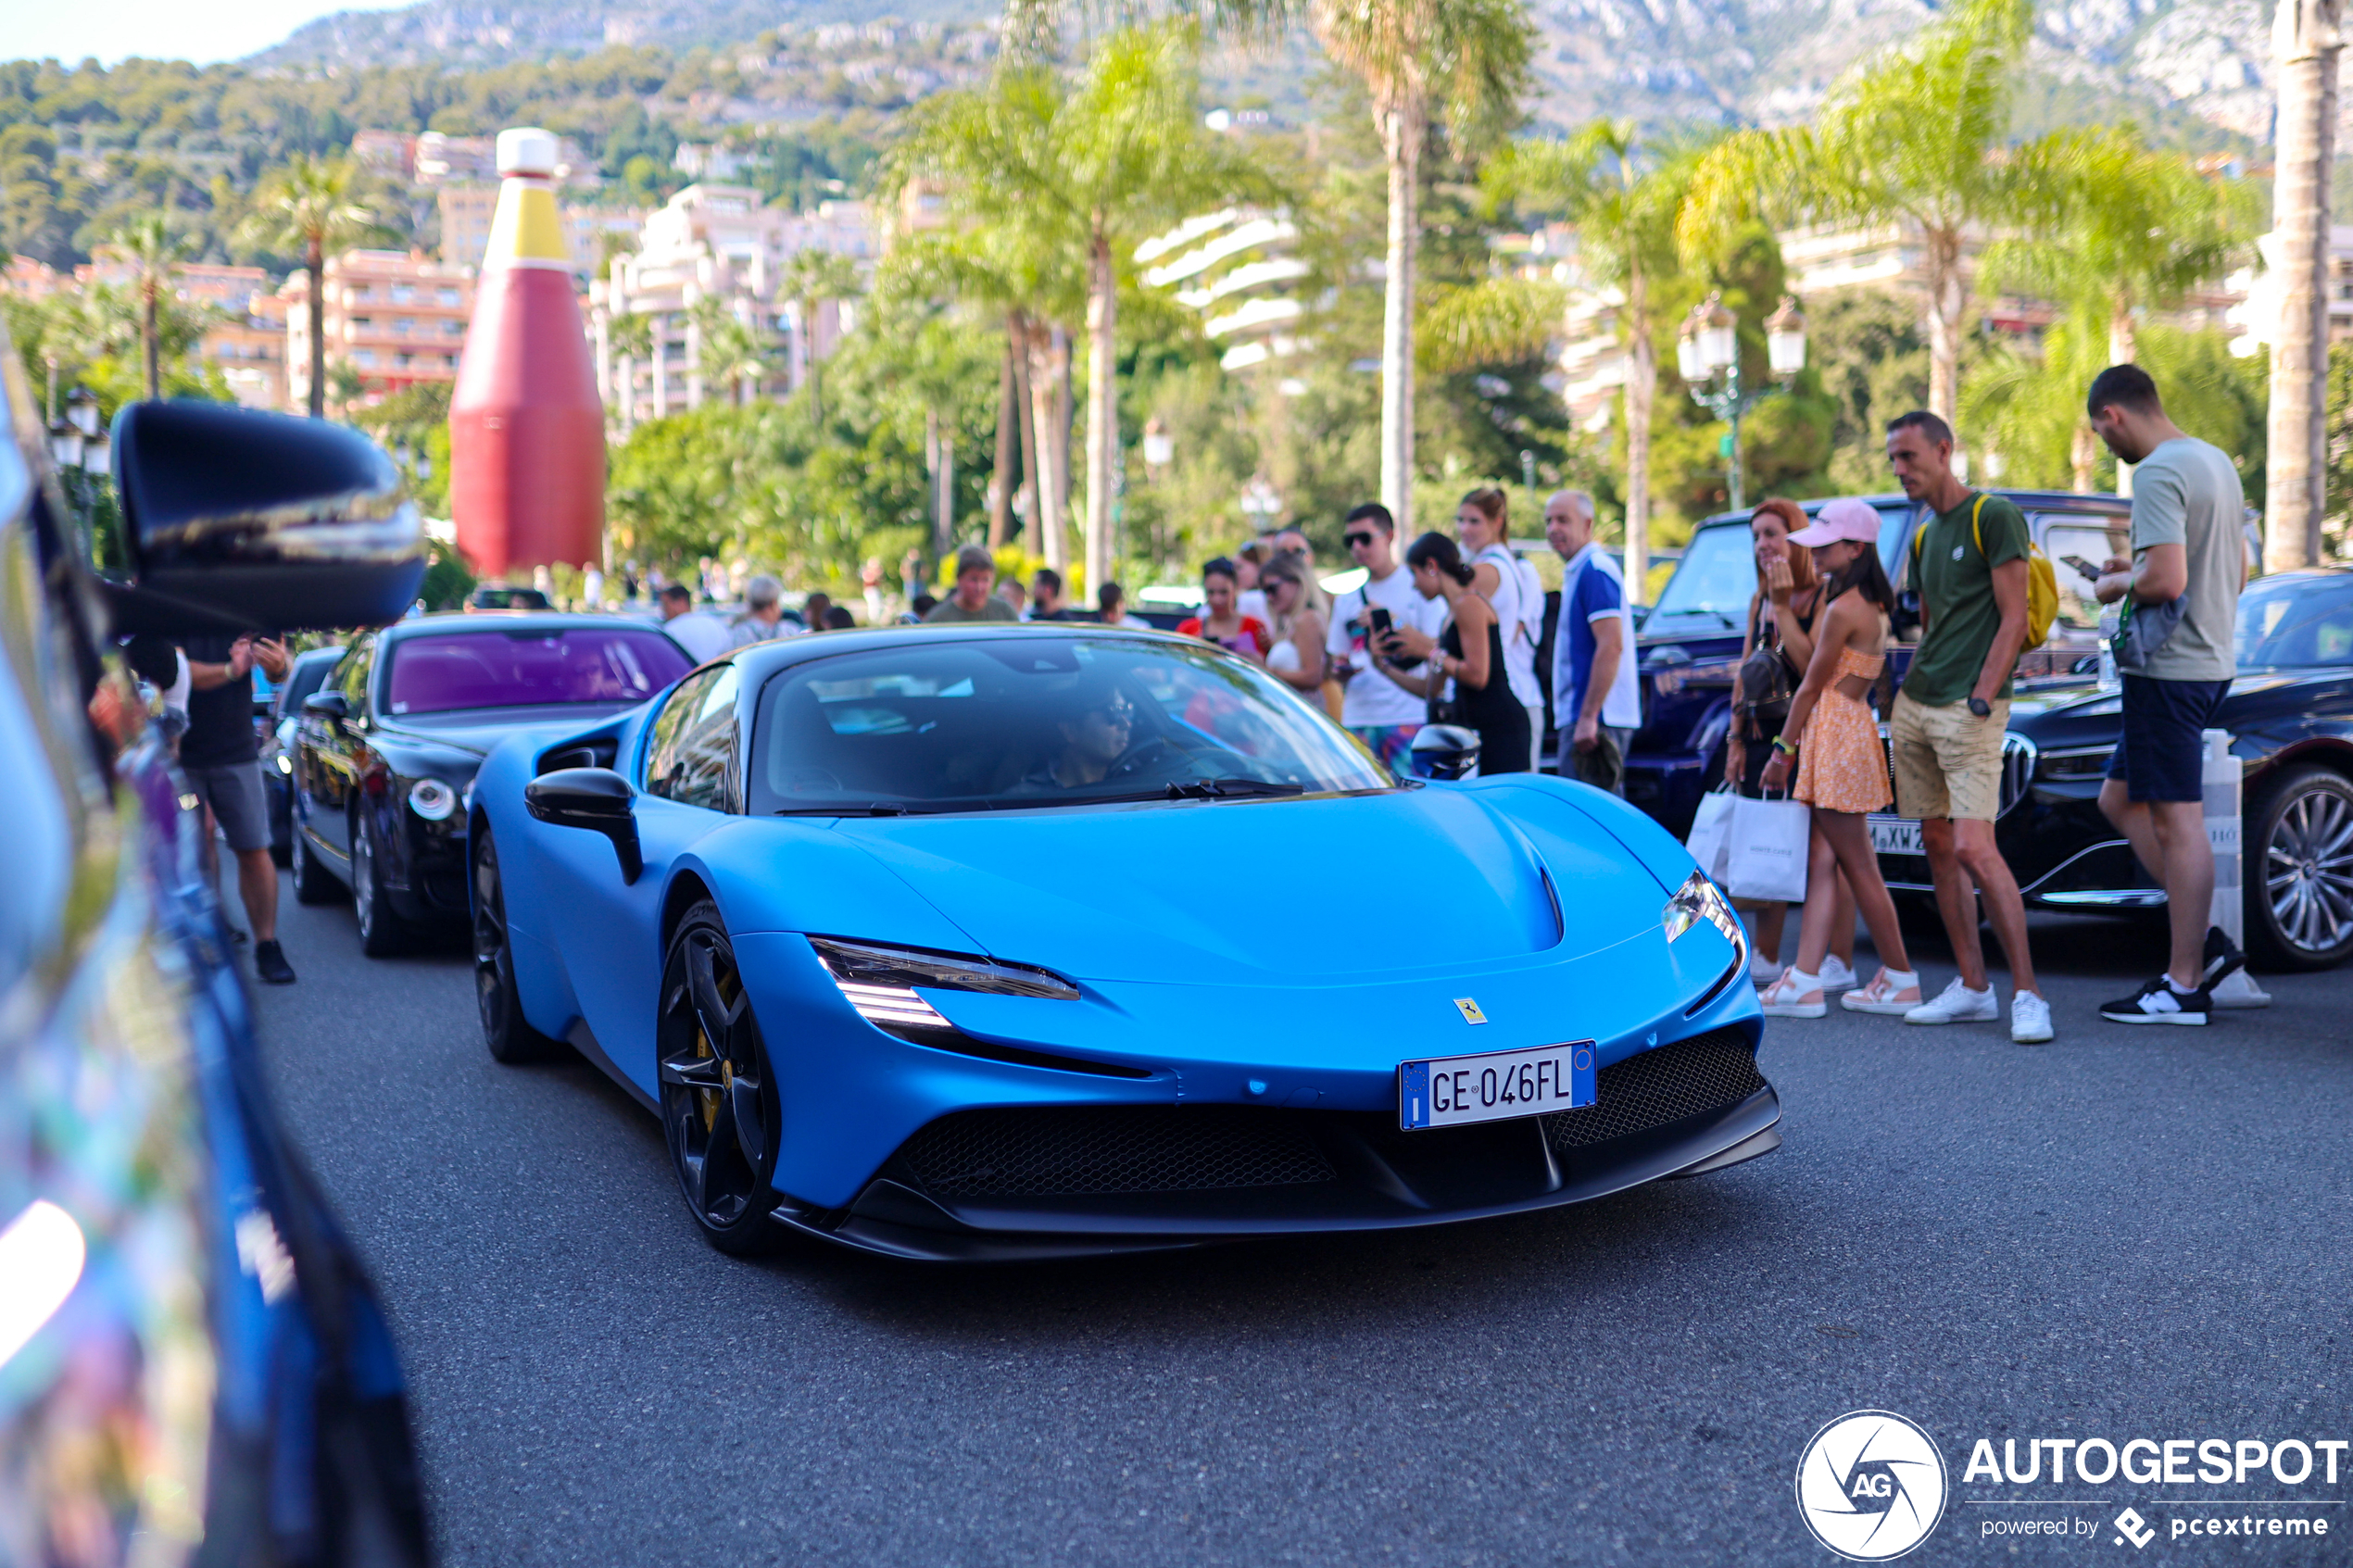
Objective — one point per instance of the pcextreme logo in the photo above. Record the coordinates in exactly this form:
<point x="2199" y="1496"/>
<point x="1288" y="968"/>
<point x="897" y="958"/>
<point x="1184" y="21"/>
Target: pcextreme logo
<point x="1871" y="1486"/>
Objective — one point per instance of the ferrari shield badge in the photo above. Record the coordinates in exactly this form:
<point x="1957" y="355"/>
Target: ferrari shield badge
<point x="1469" y="1009"/>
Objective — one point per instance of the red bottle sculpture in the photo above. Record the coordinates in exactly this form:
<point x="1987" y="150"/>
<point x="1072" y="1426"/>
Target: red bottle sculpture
<point x="526" y="426"/>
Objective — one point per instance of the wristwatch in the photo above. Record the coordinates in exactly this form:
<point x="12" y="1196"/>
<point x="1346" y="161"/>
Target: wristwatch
<point x="1979" y="707"/>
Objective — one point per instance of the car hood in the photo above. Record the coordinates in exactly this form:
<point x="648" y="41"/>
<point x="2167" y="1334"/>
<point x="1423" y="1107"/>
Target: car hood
<point x="474" y="731"/>
<point x="1291" y="892"/>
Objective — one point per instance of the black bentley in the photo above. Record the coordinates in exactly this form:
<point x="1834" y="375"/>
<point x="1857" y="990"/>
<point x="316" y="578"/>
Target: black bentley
<point x="2290" y="715"/>
<point x="384" y="759"/>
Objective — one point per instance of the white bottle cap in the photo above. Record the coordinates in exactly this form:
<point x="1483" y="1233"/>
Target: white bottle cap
<point x="527" y="150"/>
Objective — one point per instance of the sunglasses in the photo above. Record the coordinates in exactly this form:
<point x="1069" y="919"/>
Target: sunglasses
<point x="1357" y="539"/>
<point x="1119" y="715"/>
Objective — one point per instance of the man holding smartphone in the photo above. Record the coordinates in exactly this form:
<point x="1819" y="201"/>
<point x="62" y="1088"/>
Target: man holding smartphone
<point x="221" y="756"/>
<point x="1379" y="712"/>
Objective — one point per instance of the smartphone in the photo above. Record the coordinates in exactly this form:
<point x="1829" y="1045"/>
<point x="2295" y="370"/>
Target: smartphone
<point x="1382" y="624"/>
<point x="2090" y="572"/>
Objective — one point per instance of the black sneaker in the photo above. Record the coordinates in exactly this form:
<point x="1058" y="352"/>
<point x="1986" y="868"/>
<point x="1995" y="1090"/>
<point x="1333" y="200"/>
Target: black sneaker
<point x="2158" y="1002"/>
<point x="270" y="964"/>
<point x="2223" y="958"/>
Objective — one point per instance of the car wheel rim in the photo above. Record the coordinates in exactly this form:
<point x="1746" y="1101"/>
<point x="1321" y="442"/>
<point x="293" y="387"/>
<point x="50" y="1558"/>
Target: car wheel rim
<point x="490" y="942"/>
<point x="2308" y="870"/>
<point x="363" y="878"/>
<point x="713" y="1081"/>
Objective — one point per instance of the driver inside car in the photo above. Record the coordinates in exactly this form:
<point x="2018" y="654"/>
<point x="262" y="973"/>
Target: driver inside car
<point x="1095" y="723"/>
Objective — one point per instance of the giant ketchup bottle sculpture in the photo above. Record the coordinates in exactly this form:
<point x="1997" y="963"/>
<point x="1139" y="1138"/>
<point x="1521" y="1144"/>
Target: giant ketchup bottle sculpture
<point x="526" y="428"/>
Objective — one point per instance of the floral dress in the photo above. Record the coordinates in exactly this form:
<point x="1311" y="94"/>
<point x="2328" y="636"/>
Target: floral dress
<point x="1843" y="767"/>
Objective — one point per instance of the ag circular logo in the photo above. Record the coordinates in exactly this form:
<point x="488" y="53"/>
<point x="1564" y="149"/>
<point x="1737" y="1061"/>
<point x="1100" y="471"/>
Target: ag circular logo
<point x="1871" y="1486"/>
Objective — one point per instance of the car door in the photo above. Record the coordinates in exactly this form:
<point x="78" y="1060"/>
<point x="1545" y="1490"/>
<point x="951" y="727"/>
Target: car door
<point x="687" y="786"/>
<point x="329" y="769"/>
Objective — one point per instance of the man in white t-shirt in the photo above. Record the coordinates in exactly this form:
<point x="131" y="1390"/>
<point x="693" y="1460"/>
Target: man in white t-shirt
<point x="1593" y="686"/>
<point x="702" y="633"/>
<point x="1379" y="712"/>
<point x="1512" y="586"/>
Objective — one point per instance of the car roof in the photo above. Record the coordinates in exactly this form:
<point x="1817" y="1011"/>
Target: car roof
<point x="445" y="621"/>
<point x="2061" y="500"/>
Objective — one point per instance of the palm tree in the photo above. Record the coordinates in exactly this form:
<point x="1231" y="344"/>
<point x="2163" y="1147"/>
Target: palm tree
<point x="1468" y="62"/>
<point x="629" y="337"/>
<point x="1089" y="168"/>
<point x="309" y="208"/>
<point x="1624" y="196"/>
<point x="812" y="276"/>
<point x="1917" y="137"/>
<point x="150" y="244"/>
<point x="726" y="350"/>
<point x="2306" y="38"/>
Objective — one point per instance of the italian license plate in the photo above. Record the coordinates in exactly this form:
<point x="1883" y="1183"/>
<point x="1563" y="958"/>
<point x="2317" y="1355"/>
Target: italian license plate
<point x="1897" y="835"/>
<point x="1453" y="1091"/>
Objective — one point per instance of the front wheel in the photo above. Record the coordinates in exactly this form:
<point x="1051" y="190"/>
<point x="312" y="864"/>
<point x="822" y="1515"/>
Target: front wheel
<point x="508" y="1035"/>
<point x="2299" y="869"/>
<point x="312" y="884"/>
<point x="382" y="932"/>
<point x="719" y="1112"/>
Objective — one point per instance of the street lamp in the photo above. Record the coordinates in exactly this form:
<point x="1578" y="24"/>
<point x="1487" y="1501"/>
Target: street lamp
<point x="1708" y="354"/>
<point x="1160" y="448"/>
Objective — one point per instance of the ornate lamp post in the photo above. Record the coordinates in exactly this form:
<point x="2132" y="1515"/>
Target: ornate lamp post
<point x="1159" y="447"/>
<point x="1708" y="353"/>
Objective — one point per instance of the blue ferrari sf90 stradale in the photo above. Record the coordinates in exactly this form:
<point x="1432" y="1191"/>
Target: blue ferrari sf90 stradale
<point x="971" y="943"/>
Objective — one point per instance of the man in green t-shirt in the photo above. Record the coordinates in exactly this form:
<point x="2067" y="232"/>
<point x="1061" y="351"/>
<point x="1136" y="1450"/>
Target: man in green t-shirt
<point x="972" y="601"/>
<point x="1945" y="734"/>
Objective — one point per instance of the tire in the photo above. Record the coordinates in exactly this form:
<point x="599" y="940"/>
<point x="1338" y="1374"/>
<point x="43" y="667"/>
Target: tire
<point x="2298" y="870"/>
<point x="505" y="1032"/>
<point x="720" y="1113"/>
<point x="313" y="884"/>
<point x="382" y="932"/>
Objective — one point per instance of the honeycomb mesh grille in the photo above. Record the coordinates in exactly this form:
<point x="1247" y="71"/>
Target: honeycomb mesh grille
<point x="1068" y="1151"/>
<point x="1656" y="1086"/>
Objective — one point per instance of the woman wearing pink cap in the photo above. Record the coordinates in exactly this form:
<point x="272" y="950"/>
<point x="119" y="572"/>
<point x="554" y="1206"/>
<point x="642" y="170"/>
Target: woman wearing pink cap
<point x="1844" y="773"/>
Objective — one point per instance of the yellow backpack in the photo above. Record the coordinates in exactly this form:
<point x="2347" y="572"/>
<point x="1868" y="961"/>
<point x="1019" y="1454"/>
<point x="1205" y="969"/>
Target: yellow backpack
<point x="2042" y="582"/>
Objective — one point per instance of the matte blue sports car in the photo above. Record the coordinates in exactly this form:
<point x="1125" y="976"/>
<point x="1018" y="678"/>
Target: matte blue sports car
<point x="1019" y="942"/>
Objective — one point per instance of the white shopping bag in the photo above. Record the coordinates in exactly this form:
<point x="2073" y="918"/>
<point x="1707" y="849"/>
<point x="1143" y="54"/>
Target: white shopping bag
<point x="1768" y="850"/>
<point x="1712" y="833"/>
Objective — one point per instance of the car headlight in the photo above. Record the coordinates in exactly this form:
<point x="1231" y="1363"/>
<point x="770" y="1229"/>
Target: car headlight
<point x="880" y="982"/>
<point x="1698" y="900"/>
<point x="432" y="799"/>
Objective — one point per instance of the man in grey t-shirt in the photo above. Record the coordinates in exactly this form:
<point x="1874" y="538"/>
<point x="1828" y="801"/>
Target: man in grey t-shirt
<point x="2186" y="506"/>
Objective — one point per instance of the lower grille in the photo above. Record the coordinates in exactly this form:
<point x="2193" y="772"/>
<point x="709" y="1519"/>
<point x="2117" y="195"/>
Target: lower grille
<point x="1654" y="1088"/>
<point x="1070" y="1152"/>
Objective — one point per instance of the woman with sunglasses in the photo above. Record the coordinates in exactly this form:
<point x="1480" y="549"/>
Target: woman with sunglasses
<point x="1297" y="607"/>
<point x="1097" y="726"/>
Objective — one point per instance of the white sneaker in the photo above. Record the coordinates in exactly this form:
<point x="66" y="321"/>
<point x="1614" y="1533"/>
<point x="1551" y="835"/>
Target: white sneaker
<point x="1957" y="1004"/>
<point x="2030" y="1019"/>
<point x="1763" y="972"/>
<point x="1783" y="999"/>
<point x="1838" y="974"/>
<point x="1887" y="993"/>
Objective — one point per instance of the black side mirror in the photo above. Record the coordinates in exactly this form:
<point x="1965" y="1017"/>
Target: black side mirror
<point x="331" y="706"/>
<point x="1444" y="751"/>
<point x="594" y="799"/>
<point x="234" y="518"/>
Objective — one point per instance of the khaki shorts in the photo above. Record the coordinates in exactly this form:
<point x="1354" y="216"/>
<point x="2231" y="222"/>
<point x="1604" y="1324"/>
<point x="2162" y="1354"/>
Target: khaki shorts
<point x="1949" y="761"/>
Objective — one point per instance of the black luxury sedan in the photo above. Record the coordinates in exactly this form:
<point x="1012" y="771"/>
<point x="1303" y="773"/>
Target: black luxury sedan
<point x="279" y="724"/>
<point x="384" y="758"/>
<point x="2290" y="716"/>
<point x="193" y="1365"/>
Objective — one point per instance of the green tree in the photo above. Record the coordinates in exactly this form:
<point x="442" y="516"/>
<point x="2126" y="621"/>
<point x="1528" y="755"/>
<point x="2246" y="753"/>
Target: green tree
<point x="311" y="207"/>
<point x="1919" y="137"/>
<point x="150" y="245"/>
<point x="811" y="277"/>
<point x="1623" y="194"/>
<point x="1464" y="63"/>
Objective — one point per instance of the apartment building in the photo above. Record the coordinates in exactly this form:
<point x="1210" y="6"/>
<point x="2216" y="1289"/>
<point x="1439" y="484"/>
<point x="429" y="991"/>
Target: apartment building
<point x="398" y="318"/>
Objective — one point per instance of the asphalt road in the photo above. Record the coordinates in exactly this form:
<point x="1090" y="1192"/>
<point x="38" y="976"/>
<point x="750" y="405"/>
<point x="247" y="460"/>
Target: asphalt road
<point x="2128" y="1233"/>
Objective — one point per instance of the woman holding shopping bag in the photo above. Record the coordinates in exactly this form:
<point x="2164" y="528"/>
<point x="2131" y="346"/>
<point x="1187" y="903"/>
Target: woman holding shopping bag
<point x="1843" y="775"/>
<point x="1777" y="645"/>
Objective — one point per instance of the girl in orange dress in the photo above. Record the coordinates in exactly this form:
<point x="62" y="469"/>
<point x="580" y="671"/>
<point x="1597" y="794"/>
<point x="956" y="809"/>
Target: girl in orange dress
<point x="1844" y="773"/>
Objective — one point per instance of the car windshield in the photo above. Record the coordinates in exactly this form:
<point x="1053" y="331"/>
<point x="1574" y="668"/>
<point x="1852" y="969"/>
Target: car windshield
<point x="1013" y="722"/>
<point x="524" y="668"/>
<point x="1715" y="579"/>
<point x="2296" y="623"/>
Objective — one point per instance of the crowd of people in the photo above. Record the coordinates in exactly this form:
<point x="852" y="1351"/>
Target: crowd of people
<point x="1815" y="646"/>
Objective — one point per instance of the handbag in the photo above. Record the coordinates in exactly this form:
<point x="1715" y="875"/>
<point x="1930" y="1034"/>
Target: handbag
<point x="2144" y="629"/>
<point x="1768" y="856"/>
<point x="1711" y="835"/>
<point x="1767" y="685"/>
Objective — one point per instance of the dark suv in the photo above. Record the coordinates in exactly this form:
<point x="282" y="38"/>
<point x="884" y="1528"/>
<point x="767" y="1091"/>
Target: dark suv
<point x="1689" y="643"/>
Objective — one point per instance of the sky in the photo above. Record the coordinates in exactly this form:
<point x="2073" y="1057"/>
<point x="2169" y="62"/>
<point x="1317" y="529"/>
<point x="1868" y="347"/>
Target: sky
<point x="177" y="29"/>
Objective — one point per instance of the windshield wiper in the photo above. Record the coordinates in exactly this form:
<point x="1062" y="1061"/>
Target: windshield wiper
<point x="877" y="809"/>
<point x="1223" y="788"/>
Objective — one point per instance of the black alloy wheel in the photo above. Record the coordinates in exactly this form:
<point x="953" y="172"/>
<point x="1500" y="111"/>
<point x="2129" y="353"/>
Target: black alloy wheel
<point x="312" y="883"/>
<point x="719" y="1105"/>
<point x="2299" y="869"/>
<point x="382" y="932"/>
<point x="505" y="1031"/>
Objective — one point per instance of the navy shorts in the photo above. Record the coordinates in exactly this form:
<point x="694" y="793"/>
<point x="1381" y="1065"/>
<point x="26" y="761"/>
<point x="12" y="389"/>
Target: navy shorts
<point x="2162" y="754"/>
